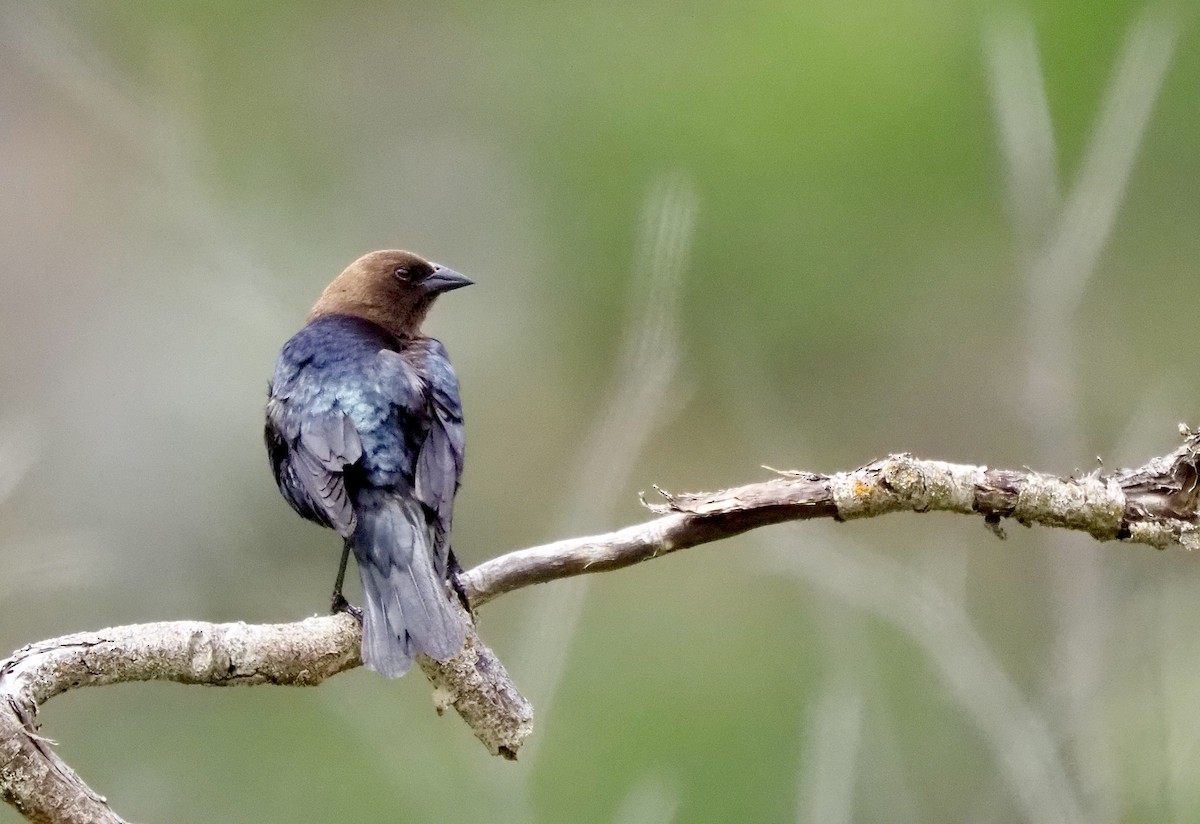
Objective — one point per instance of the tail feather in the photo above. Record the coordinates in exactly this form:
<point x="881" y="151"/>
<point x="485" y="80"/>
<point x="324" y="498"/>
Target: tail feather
<point x="406" y="608"/>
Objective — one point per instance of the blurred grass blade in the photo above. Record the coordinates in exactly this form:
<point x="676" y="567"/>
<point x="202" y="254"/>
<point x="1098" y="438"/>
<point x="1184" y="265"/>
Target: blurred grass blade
<point x="637" y="404"/>
<point x="831" y="770"/>
<point x="1023" y="119"/>
<point x="1091" y="209"/>
<point x="633" y="408"/>
<point x="1021" y="742"/>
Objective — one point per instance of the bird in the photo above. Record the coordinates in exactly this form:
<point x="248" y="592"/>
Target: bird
<point x="364" y="432"/>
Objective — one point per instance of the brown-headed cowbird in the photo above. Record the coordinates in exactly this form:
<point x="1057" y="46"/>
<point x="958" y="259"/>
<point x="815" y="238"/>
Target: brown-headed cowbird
<point x="365" y="436"/>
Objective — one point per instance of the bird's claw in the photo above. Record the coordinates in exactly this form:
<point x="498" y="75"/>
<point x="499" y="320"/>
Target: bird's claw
<point x="460" y="590"/>
<point x="340" y="604"/>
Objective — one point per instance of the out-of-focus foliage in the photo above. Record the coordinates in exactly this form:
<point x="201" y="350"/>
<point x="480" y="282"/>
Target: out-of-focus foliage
<point x="179" y="180"/>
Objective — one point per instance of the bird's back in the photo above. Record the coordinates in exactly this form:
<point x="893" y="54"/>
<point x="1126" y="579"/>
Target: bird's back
<point x="334" y="367"/>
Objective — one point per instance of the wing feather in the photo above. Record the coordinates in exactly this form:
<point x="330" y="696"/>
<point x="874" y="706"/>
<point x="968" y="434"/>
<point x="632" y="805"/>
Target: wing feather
<point x="310" y="457"/>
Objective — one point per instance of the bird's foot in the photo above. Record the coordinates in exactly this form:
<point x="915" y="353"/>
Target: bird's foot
<point x="340" y="604"/>
<point x="461" y="591"/>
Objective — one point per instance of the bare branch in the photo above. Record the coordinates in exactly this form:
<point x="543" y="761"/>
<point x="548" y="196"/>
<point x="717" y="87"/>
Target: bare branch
<point x="43" y="788"/>
<point x="1155" y="504"/>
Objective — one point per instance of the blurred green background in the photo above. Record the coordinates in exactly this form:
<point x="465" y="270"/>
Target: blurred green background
<point x="706" y="237"/>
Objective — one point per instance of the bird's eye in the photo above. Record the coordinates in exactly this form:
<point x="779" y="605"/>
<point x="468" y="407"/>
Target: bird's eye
<point x="401" y="272"/>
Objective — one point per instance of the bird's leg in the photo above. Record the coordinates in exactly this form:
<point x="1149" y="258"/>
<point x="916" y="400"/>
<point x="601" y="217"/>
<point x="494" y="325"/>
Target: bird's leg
<point x="339" y="602"/>
<point x="455" y="569"/>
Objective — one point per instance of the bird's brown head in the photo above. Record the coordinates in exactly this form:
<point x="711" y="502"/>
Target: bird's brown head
<point x="392" y="288"/>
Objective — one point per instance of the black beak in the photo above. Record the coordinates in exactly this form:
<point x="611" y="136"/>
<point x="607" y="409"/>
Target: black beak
<point x="443" y="280"/>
